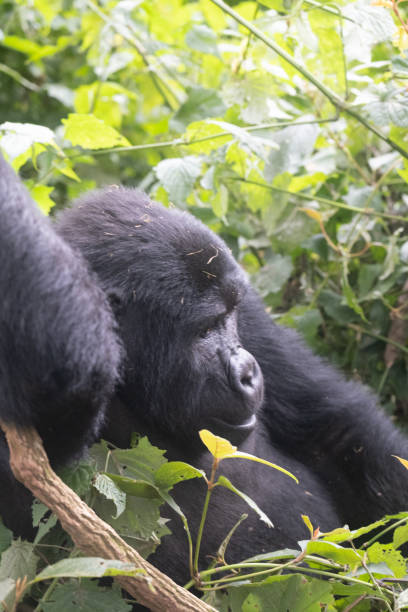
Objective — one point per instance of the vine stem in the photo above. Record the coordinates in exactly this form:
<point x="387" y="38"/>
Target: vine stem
<point x="337" y="102"/>
<point x="176" y="142"/>
<point x="307" y="196"/>
<point x="210" y="486"/>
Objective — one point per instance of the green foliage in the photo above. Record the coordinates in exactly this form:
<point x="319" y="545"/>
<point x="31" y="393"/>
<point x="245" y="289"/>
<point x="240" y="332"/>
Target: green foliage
<point x="280" y="124"/>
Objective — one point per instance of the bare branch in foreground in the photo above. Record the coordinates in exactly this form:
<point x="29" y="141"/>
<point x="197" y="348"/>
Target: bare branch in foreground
<point x="90" y="534"/>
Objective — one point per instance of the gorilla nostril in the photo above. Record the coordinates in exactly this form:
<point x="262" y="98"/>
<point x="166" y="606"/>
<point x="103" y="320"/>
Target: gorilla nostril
<point x="247" y="376"/>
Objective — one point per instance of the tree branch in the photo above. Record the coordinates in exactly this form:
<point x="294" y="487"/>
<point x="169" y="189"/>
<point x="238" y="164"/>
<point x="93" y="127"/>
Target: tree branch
<point x="90" y="534"/>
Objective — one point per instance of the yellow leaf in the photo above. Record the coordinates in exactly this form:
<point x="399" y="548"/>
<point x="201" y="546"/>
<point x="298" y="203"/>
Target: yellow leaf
<point x="403" y="461"/>
<point x="311" y="212"/>
<point x="400" y="39"/>
<point x="308" y="524"/>
<point x="239" y="455"/>
<point x="218" y="447"/>
<point x="340" y="531"/>
<point x="386" y="3"/>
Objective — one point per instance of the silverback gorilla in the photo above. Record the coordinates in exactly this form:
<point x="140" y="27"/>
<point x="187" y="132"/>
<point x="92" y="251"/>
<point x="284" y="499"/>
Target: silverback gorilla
<point x="199" y="352"/>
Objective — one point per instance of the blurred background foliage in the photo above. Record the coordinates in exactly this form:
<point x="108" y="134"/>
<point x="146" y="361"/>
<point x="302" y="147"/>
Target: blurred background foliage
<point x="282" y="124"/>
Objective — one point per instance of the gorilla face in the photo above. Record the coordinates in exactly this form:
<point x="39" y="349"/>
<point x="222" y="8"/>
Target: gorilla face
<point x="175" y="292"/>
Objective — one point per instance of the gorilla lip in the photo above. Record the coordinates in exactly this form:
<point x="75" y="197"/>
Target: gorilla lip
<point x="248" y="424"/>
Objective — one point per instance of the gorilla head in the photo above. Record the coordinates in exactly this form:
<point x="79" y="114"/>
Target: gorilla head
<point x="174" y="288"/>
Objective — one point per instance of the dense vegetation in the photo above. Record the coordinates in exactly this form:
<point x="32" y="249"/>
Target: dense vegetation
<point x="282" y="125"/>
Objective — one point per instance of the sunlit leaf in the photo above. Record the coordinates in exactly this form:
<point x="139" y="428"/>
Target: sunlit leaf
<point x="41" y="194"/>
<point x="314" y="214"/>
<point x="89" y="132"/>
<point x="401" y="460"/>
<point x="308" y="524"/>
<point x="173" y="472"/>
<point x="220" y="448"/>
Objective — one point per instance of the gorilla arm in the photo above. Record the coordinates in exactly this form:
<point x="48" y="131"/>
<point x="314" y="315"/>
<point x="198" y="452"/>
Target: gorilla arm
<point x="59" y="353"/>
<point x="330" y="424"/>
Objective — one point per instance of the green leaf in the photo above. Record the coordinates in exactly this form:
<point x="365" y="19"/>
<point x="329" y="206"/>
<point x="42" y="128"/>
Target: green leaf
<point x="349" y="293"/>
<point x="48" y="8"/>
<point x="107" y="487"/>
<point x="273" y="275"/>
<point x="78" y="476"/>
<point x="178" y="176"/>
<point x="140" y="462"/>
<point x="224" y="482"/>
<point x="295" y="145"/>
<point x="140" y="523"/>
<point x="43" y="519"/>
<point x="201" y="38"/>
<point x="88" y="567"/>
<point x="386" y="104"/>
<point x="329" y="60"/>
<point x="331" y="303"/>
<point x="400" y="536"/>
<point x="249" y="142"/>
<point x="173" y="472"/>
<point x="138" y="488"/>
<point x="220" y="202"/>
<point x="89" y="132"/>
<point x="201" y="103"/>
<point x="255" y="97"/>
<point x="41" y="194"/>
<point x="18" y="560"/>
<point x="240" y="455"/>
<point x="293" y="593"/>
<point x="6" y="537"/>
<point x="335" y="552"/>
<point x="18" y="137"/>
<point x="402" y="600"/>
<point x="23" y="45"/>
<point x="386" y="553"/>
<point x="104" y="100"/>
<point x="207" y="135"/>
<point x="6" y="589"/>
<point x="85" y="596"/>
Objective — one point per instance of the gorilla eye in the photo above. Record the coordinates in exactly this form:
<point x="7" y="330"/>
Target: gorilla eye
<point x="211" y="325"/>
<point x="205" y="333"/>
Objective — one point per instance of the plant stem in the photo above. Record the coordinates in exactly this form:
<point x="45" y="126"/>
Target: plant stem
<point x="379" y="535"/>
<point x="158" y="81"/>
<point x="19" y="78"/>
<point x="314" y="198"/>
<point x="185" y="143"/>
<point x="362" y="330"/>
<point x="337" y="102"/>
<point x="210" y="486"/>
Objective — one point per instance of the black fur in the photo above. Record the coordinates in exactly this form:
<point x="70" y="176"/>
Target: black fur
<point x="59" y="351"/>
<point x="184" y="310"/>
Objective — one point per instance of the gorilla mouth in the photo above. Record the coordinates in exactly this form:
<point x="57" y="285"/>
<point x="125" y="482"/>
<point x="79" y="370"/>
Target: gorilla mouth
<point x="246" y="425"/>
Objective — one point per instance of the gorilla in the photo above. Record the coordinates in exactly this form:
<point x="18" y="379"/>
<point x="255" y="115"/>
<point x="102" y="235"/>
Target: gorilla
<point x="201" y="352"/>
<point x="60" y="353"/>
<point x="198" y="351"/>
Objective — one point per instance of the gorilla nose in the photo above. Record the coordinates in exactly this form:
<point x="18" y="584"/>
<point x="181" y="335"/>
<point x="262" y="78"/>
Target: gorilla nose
<point x="246" y="373"/>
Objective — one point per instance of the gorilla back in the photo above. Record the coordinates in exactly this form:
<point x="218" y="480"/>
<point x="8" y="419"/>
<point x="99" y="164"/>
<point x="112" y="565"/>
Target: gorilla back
<point x="202" y="352"/>
<point x="59" y="351"/>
